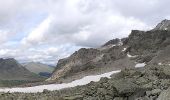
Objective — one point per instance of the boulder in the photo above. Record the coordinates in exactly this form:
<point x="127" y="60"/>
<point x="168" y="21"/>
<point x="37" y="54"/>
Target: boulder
<point x="165" y="95"/>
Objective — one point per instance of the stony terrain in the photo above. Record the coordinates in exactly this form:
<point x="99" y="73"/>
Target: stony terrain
<point x="151" y="82"/>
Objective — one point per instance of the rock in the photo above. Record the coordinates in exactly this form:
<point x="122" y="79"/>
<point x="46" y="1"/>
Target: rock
<point x="156" y="92"/>
<point x="165" y="95"/>
<point x="101" y="91"/>
<point x="148" y="93"/>
<point x="142" y="81"/>
<point x="143" y="98"/>
<point x="147" y="86"/>
<point x="126" y="87"/>
<point x="76" y="97"/>
<point x="163" y="25"/>
<point x="112" y="42"/>
<point x="119" y="98"/>
<point x="45" y="91"/>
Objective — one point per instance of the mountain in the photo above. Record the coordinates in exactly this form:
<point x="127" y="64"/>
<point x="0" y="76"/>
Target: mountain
<point x="163" y="25"/>
<point x="39" y="68"/>
<point x="13" y="73"/>
<point x="142" y="46"/>
<point x="10" y="69"/>
<point x="144" y="60"/>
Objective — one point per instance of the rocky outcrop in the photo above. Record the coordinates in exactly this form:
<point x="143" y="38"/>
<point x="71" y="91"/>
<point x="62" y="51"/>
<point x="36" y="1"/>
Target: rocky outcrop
<point x="165" y="95"/>
<point x="75" y="62"/>
<point x="147" y="46"/>
<point x="141" y="42"/>
<point x="85" y="60"/>
<point x="113" y="42"/>
<point x="163" y="25"/>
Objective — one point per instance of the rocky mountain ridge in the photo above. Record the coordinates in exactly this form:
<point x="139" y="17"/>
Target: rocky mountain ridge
<point x="147" y="45"/>
<point x="149" y="82"/>
<point x="163" y="25"/>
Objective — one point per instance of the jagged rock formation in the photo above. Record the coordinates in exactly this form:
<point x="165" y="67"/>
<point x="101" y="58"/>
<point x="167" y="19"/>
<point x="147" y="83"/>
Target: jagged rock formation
<point x="147" y="45"/>
<point x="10" y="69"/>
<point x="85" y="60"/>
<point x="163" y="25"/>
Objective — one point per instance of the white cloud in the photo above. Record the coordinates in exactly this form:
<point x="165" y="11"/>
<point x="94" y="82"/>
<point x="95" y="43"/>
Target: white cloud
<point x="4" y="36"/>
<point x="48" y="30"/>
<point x="38" y="34"/>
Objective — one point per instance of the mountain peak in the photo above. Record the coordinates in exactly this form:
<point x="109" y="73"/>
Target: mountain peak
<point x="163" y="25"/>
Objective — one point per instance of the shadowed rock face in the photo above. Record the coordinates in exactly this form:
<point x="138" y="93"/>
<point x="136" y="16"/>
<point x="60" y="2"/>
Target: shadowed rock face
<point x="141" y="42"/>
<point x="12" y="70"/>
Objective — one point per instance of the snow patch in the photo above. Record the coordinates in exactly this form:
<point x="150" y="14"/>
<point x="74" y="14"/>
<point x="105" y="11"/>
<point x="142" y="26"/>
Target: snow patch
<point x="130" y="56"/>
<point x="120" y="43"/>
<point x="124" y="49"/>
<point x="160" y="63"/>
<point x="79" y="82"/>
<point x="140" y="65"/>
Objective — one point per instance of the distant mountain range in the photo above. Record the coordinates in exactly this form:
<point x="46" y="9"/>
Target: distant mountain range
<point x="39" y="68"/>
<point x="13" y="73"/>
<point x="10" y="69"/>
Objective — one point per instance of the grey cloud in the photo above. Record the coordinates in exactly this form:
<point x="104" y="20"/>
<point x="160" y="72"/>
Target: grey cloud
<point x="79" y="23"/>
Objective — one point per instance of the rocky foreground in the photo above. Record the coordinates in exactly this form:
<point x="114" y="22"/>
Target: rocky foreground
<point x="149" y="83"/>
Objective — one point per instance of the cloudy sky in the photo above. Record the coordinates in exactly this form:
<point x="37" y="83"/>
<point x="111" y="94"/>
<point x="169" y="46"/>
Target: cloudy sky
<point x="47" y="30"/>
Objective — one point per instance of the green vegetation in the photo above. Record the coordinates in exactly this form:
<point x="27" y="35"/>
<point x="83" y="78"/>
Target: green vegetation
<point x="10" y="83"/>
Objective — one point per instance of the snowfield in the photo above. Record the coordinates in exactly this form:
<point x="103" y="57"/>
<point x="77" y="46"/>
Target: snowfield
<point x="124" y="49"/>
<point x="79" y="82"/>
<point x="140" y="65"/>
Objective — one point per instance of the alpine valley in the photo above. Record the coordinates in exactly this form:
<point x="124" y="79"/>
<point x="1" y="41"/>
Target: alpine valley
<point x="133" y="68"/>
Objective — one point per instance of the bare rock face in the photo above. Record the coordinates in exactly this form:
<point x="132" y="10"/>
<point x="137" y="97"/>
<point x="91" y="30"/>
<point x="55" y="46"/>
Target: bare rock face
<point x="141" y="42"/>
<point x="165" y="95"/>
<point x="112" y="42"/>
<point x="163" y="25"/>
<point x="149" y="46"/>
<point x="88" y="59"/>
<point x="75" y="62"/>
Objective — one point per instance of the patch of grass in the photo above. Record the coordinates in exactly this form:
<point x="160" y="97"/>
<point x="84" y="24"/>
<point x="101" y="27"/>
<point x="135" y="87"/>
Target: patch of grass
<point x="10" y="83"/>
